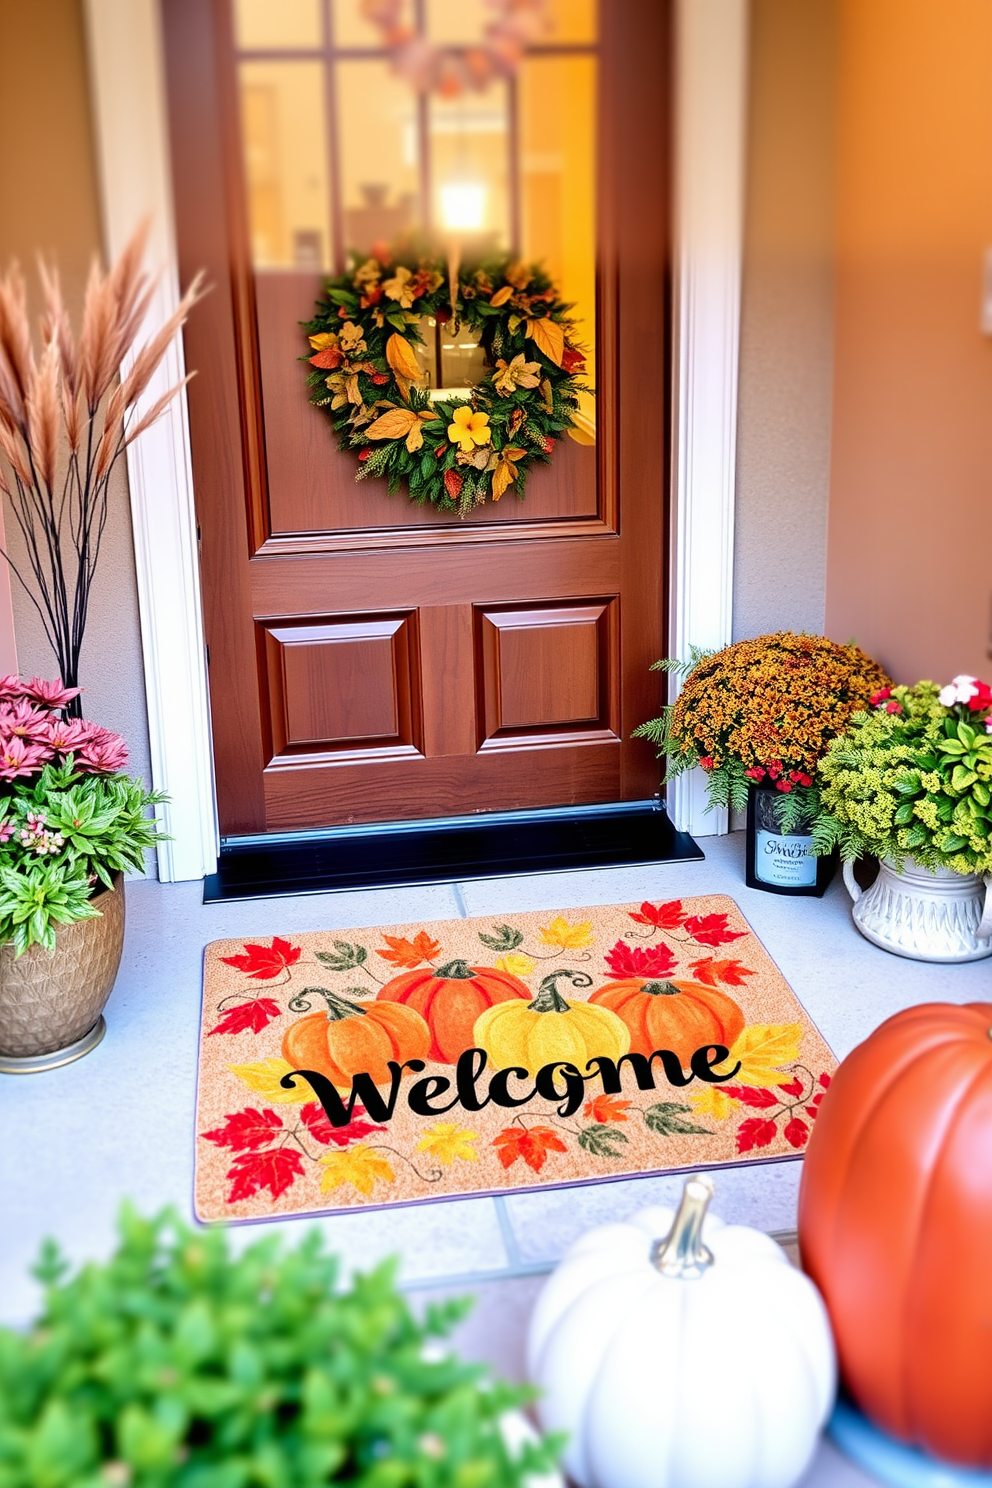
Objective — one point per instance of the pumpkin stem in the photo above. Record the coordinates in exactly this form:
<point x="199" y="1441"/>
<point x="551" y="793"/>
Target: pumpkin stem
<point x="682" y="1253"/>
<point x="455" y="971"/>
<point x="549" y="999"/>
<point x="660" y="989"/>
<point x="337" y="1007"/>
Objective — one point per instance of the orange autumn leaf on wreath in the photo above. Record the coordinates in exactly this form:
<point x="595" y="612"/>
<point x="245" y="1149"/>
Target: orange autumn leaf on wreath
<point x="265" y="962"/>
<point x="604" y="1108"/>
<point x="403" y="952"/>
<point x="532" y="1144"/>
<point x="712" y="972"/>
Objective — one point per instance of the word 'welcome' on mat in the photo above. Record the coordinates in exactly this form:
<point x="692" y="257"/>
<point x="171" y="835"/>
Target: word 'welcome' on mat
<point x="358" y="1068"/>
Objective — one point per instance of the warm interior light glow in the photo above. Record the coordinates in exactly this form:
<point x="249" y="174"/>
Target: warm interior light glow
<point x="463" y="206"/>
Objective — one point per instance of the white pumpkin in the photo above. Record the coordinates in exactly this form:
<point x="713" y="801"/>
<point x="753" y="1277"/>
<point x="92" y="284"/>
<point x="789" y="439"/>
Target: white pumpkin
<point x="680" y="1352"/>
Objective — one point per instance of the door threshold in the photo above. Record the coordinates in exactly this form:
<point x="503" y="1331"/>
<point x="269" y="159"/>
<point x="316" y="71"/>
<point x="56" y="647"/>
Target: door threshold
<point x="494" y="845"/>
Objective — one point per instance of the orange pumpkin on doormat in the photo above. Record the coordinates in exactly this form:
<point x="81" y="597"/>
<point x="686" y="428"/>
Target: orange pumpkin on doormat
<point x="895" y="1226"/>
<point x="451" y="999"/>
<point x="681" y="1016"/>
<point x="348" y="1040"/>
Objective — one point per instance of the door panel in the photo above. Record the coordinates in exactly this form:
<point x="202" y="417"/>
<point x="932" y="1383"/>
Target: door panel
<point x="370" y="660"/>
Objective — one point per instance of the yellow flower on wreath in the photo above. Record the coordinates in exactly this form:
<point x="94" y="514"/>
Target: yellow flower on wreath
<point x="469" y="429"/>
<point x="446" y="1140"/>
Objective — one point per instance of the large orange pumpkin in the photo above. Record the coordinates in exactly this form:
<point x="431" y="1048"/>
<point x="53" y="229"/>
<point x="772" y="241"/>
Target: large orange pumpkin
<point x="895" y="1226"/>
<point x="348" y="1039"/>
<point x="681" y="1016"/>
<point x="451" y="999"/>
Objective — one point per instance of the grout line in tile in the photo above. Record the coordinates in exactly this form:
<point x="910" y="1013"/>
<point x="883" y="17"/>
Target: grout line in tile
<point x="459" y="898"/>
<point x="507" y="1231"/>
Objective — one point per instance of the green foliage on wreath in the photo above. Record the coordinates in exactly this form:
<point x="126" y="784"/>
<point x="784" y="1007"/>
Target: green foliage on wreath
<point x="457" y="453"/>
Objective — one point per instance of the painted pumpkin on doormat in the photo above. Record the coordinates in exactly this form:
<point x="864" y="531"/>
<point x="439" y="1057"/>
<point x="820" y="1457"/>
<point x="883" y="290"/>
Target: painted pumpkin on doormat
<point x="348" y="1039"/>
<point x="549" y="1029"/>
<point x="681" y="1016"/>
<point x="450" y="999"/>
<point x="645" y="1341"/>
<point x="895" y="1226"/>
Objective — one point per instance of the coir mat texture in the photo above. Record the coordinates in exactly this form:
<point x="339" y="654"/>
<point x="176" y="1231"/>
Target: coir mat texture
<point x="480" y="1056"/>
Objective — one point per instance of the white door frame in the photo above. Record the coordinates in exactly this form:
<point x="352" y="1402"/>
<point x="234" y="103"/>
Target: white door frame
<point x="128" y="95"/>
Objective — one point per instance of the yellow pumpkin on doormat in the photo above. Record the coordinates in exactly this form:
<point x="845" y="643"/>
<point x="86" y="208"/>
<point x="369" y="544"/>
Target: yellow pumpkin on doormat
<point x="550" y="1030"/>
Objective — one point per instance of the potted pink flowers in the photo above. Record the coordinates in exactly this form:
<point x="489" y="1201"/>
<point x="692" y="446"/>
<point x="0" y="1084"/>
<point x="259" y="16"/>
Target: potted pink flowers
<point x="71" y="824"/>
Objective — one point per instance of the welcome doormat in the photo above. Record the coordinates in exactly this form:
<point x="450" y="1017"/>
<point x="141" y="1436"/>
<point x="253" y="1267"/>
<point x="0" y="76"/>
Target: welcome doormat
<point x="359" y="1068"/>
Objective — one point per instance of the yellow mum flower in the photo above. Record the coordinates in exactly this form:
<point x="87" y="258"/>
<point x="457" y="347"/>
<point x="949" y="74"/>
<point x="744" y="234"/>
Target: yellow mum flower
<point x="445" y="1141"/>
<point x="469" y="429"/>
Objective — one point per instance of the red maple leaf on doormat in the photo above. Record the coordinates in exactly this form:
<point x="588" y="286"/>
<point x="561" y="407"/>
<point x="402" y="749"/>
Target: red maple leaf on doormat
<point x="265" y="962"/>
<point x="313" y="1118"/>
<point x="277" y="1169"/>
<point x="640" y="961"/>
<point x="756" y="1131"/>
<point x="796" y="1132"/>
<point x="532" y="1144"/>
<point x="711" y="930"/>
<point x="250" y="1017"/>
<point x="662" y="916"/>
<point x="712" y="972"/>
<point x="750" y="1095"/>
<point x="246" y="1131"/>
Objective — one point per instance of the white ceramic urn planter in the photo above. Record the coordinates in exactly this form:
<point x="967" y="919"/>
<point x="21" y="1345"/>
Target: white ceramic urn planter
<point x="927" y="915"/>
<point x="680" y="1352"/>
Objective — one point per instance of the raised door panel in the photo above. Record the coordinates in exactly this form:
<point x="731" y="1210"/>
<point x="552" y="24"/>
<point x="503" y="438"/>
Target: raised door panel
<point x="343" y="689"/>
<point x="311" y="483"/>
<point x="547" y="672"/>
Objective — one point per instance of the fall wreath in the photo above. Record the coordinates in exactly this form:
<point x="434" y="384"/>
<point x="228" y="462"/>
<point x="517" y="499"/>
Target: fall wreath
<point x="451" y="451"/>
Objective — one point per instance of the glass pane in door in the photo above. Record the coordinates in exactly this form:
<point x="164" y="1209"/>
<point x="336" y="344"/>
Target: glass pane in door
<point x="285" y="154"/>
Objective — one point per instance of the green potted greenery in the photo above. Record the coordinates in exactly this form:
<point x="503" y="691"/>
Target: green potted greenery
<point x="910" y="783"/>
<point x="174" y="1365"/>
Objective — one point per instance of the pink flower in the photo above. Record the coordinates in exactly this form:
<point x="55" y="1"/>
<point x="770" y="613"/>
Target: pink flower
<point x="23" y="719"/>
<point x="879" y="697"/>
<point x="893" y="707"/>
<point x="11" y="687"/>
<point x="49" y="694"/>
<point x="6" y="831"/>
<point x="976" y="695"/>
<point x="65" y="734"/>
<point x="101" y="752"/>
<point x="18" y="758"/>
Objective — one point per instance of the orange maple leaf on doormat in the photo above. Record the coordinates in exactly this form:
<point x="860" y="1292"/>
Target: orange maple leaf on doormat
<point x="403" y="952"/>
<point x="532" y="1144"/>
<point x="711" y="971"/>
<point x="604" y="1108"/>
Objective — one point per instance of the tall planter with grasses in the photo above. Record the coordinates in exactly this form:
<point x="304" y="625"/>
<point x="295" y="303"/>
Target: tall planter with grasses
<point x="71" y="821"/>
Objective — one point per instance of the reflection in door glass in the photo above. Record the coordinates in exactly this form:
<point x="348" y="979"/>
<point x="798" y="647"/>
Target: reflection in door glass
<point x="342" y="154"/>
<point x="285" y="155"/>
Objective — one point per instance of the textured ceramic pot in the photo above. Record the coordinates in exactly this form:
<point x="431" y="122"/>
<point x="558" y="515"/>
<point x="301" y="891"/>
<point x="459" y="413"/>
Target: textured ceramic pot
<point x="51" y="1003"/>
<point x="926" y="915"/>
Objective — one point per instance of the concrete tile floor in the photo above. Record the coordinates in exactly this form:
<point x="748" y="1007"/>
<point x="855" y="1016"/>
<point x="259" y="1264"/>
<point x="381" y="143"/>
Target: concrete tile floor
<point x="120" y="1122"/>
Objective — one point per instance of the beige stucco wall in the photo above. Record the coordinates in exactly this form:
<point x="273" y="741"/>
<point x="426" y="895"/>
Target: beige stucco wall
<point x="786" y="347"/>
<point x="49" y="202"/>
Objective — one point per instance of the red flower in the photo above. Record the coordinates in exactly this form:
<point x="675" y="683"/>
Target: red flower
<point x="547" y="444"/>
<point x="755" y="773"/>
<point x="774" y="768"/>
<point x="879" y="697"/>
<point x="981" y="698"/>
<point x="896" y="707"/>
<point x="265" y="962"/>
<point x="371" y="297"/>
<point x="783" y="785"/>
<point x="364" y="454"/>
<point x="708" y="762"/>
<point x="380" y="379"/>
<point x="342" y="313"/>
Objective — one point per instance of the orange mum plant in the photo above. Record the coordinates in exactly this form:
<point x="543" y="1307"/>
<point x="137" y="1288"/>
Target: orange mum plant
<point x="66" y="417"/>
<point x="763" y="711"/>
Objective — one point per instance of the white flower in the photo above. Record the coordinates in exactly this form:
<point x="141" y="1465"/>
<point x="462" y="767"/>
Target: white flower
<point x="960" y="690"/>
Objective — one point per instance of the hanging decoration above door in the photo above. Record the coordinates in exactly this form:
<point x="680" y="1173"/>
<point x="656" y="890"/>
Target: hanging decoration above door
<point x="515" y="25"/>
<point x="382" y="342"/>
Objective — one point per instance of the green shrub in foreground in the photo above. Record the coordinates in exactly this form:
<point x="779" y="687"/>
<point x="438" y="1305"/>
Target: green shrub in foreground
<point x="174" y="1365"/>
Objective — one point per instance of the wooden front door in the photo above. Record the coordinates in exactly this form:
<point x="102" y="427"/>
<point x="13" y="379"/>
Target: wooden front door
<point x="370" y="660"/>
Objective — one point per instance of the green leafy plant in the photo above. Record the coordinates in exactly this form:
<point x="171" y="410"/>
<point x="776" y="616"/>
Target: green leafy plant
<point x="913" y="776"/>
<point x="174" y="1365"/>
<point x="69" y="818"/>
